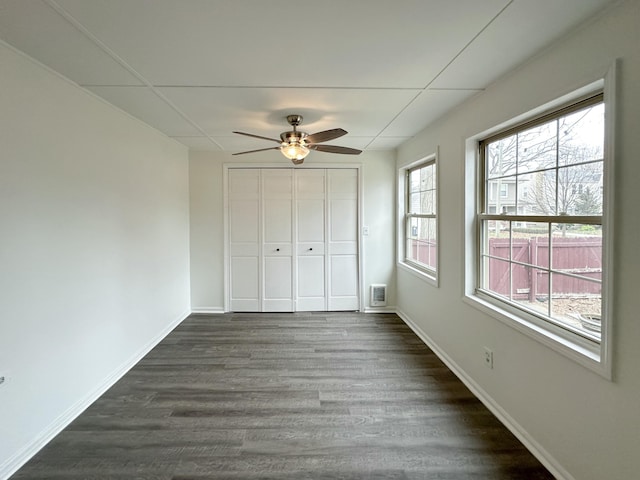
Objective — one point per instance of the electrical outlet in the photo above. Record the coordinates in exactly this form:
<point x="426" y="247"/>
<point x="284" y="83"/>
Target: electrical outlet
<point x="488" y="357"/>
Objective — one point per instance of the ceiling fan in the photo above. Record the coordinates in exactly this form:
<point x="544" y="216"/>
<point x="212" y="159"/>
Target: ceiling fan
<point x="296" y="145"/>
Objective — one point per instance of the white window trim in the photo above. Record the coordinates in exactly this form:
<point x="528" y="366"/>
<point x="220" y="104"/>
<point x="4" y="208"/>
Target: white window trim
<point x="427" y="275"/>
<point x="597" y="358"/>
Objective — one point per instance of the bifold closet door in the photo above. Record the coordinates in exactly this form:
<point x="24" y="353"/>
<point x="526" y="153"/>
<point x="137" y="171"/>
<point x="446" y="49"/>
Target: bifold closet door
<point x="244" y="240"/>
<point x="277" y="243"/>
<point x="342" y="240"/>
<point x="310" y="240"/>
<point x="293" y="239"/>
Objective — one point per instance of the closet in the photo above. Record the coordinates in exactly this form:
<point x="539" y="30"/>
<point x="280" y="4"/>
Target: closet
<point x="292" y="239"/>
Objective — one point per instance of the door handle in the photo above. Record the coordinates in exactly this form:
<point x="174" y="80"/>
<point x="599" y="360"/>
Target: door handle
<point x="310" y="249"/>
<point x="277" y="249"/>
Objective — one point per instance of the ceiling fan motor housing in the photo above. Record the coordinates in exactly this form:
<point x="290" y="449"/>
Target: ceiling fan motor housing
<point x="292" y="136"/>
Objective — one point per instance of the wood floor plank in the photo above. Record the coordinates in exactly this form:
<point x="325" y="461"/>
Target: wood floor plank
<point x="287" y="396"/>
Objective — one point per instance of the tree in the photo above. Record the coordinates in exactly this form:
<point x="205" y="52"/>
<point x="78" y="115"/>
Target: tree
<point x="589" y="202"/>
<point x="564" y="190"/>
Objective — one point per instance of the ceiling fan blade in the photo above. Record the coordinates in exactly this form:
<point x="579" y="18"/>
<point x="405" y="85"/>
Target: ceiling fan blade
<point x="325" y="135"/>
<point x="259" y="150"/>
<point x="336" y="149"/>
<point x="259" y="136"/>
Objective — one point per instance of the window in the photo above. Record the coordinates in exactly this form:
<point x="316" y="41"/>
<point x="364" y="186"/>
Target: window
<point x="420" y="237"/>
<point x="540" y="241"/>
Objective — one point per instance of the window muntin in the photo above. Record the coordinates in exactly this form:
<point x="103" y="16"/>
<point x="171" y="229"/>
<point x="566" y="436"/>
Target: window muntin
<point x="420" y="217"/>
<point x="540" y="245"/>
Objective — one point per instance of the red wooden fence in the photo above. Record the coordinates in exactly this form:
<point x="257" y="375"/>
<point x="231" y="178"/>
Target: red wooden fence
<point x="576" y="255"/>
<point x="424" y="253"/>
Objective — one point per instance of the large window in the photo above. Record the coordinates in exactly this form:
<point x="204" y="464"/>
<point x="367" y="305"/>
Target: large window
<point x="421" y="245"/>
<point x="540" y="220"/>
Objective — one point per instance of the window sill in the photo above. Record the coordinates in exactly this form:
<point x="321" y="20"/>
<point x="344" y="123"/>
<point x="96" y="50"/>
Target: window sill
<point x="589" y="357"/>
<point x="420" y="274"/>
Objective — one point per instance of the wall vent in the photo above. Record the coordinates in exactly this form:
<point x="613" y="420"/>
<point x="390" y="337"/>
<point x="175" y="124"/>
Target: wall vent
<point x="378" y="295"/>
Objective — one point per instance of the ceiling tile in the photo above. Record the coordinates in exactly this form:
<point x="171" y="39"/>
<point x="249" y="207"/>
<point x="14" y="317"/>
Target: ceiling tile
<point x="142" y="103"/>
<point x="429" y="106"/>
<point x="36" y="29"/>
<point x="523" y="29"/>
<point x="359" y="43"/>
<point x="262" y="111"/>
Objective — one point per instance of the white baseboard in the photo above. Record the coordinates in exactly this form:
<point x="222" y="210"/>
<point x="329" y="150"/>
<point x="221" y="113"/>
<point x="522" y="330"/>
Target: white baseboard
<point x="208" y="310"/>
<point x="13" y="464"/>
<point x="387" y="309"/>
<point x="527" y="440"/>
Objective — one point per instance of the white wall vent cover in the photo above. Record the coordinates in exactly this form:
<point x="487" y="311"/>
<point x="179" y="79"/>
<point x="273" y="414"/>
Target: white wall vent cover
<point x="378" y="295"/>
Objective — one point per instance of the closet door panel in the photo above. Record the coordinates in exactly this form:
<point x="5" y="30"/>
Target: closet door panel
<point x="277" y="221"/>
<point x="311" y="283"/>
<point x="278" y="290"/>
<point x="277" y="238"/>
<point x="343" y="240"/>
<point x="244" y="240"/>
<point x="311" y="242"/>
<point x="244" y="284"/>
<point x="311" y="217"/>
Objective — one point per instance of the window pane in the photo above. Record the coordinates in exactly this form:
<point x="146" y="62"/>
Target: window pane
<point x="537" y="147"/>
<point x="501" y="157"/>
<point x="414" y="203"/>
<point x="414" y="181"/>
<point x="427" y="177"/>
<point x="497" y="278"/>
<point x="412" y="239"/>
<point x="426" y="202"/>
<point x="422" y="252"/>
<point x="502" y="196"/>
<point x="531" y="243"/>
<point x="580" y="189"/>
<point x="421" y="244"/>
<point x="497" y="238"/>
<point x="582" y="135"/>
<point x="413" y="228"/>
<point x="531" y="288"/>
<point x="429" y="249"/>
<point x="537" y="193"/>
<point x="526" y="194"/>
<point x="577" y="249"/>
<point x="576" y="302"/>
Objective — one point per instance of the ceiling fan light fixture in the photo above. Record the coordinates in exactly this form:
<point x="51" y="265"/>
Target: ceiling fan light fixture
<point x="296" y="152"/>
<point x="296" y="145"/>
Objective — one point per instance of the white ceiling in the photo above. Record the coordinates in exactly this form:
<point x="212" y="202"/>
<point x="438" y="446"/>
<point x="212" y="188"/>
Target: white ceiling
<point x="199" y="69"/>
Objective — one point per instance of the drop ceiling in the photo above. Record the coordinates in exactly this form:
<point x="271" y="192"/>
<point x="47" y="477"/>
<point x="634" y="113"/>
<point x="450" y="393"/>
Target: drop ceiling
<point x="199" y="69"/>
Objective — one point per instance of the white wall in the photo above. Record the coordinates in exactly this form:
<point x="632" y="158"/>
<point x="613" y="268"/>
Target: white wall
<point x="94" y="249"/>
<point x="585" y="426"/>
<point x="207" y="219"/>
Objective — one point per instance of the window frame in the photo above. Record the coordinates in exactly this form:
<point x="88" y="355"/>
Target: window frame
<point x="422" y="271"/>
<point x="595" y="356"/>
<point x="549" y="219"/>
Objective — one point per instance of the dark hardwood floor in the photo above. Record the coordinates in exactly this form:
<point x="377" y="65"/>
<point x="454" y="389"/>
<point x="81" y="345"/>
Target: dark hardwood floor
<point x="287" y="396"/>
